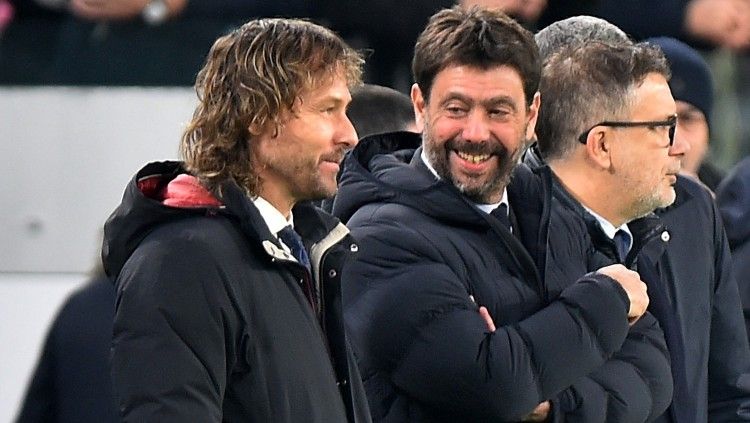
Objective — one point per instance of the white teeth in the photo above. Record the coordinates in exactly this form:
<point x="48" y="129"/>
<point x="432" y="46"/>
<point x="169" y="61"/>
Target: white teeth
<point x="474" y="158"/>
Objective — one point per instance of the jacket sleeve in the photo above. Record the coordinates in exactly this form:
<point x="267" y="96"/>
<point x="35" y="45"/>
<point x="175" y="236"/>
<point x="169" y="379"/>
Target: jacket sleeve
<point x="729" y="355"/>
<point x="170" y="343"/>
<point x="635" y="385"/>
<point x="412" y="312"/>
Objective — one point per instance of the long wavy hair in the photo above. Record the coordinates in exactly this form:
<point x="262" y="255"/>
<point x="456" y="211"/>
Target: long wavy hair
<point x="251" y="79"/>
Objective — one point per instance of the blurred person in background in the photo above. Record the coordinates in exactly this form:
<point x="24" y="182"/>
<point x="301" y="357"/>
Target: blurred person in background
<point x="72" y="382"/>
<point x="693" y="90"/>
<point x="733" y="197"/>
<point x="122" y="42"/>
<point x="709" y="23"/>
<point x="376" y="109"/>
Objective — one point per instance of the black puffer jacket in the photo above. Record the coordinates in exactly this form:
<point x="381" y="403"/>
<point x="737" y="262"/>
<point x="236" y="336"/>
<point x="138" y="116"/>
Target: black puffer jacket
<point x="210" y="322"/>
<point x="635" y="384"/>
<point x="681" y="252"/>
<point x="428" y="258"/>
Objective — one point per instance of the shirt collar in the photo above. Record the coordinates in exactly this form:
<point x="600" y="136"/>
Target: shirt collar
<point x="609" y="229"/>
<point x="487" y="208"/>
<point x="273" y="218"/>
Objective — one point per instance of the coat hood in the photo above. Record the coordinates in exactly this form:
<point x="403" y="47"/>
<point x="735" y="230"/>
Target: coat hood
<point x="733" y="198"/>
<point x="140" y="211"/>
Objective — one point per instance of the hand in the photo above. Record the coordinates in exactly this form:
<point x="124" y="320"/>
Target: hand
<point x="540" y="413"/>
<point x="633" y="285"/>
<point x="117" y="9"/>
<point x="725" y="23"/>
<point x="487" y="318"/>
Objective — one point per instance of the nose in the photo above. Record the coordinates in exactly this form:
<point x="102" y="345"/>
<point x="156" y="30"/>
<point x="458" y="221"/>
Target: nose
<point x="346" y="134"/>
<point x="476" y="128"/>
<point x="680" y="146"/>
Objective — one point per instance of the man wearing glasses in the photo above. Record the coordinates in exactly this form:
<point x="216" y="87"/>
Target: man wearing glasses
<point x="614" y="161"/>
<point x="607" y="129"/>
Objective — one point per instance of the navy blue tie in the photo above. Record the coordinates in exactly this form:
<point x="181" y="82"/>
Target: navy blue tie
<point x="622" y="242"/>
<point x="501" y="213"/>
<point x="291" y="239"/>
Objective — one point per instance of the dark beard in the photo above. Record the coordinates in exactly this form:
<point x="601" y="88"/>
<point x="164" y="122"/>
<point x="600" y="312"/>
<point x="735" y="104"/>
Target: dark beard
<point x="494" y="186"/>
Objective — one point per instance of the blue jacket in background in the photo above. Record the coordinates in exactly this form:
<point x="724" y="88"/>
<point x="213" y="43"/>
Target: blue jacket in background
<point x="72" y="382"/>
<point x="698" y="273"/>
<point x="733" y="198"/>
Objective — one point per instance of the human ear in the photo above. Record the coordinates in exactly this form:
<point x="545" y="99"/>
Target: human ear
<point x="599" y="146"/>
<point x="417" y="101"/>
<point x="533" y="116"/>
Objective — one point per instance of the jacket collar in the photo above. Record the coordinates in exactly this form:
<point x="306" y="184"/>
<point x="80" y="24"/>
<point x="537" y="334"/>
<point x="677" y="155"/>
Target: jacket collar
<point x="319" y="231"/>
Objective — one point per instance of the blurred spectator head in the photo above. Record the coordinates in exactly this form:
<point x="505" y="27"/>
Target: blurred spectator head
<point x="251" y="81"/>
<point x="479" y="38"/>
<point x="691" y="77"/>
<point x="376" y="109"/>
<point x="692" y="88"/>
<point x="575" y="31"/>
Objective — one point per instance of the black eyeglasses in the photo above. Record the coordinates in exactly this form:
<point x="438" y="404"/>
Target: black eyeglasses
<point x="671" y="123"/>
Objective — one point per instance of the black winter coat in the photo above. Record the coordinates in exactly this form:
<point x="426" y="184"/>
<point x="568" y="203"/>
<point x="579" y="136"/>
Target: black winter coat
<point x="681" y="252"/>
<point x="210" y="322"/>
<point x="428" y="259"/>
<point x="635" y="384"/>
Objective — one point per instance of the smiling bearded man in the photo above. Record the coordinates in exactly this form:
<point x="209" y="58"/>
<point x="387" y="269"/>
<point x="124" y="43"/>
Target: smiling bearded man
<point x="445" y="245"/>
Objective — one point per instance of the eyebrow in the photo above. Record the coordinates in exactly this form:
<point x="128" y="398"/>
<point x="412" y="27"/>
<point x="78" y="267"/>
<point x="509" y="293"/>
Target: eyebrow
<point x="334" y="100"/>
<point x="504" y="100"/>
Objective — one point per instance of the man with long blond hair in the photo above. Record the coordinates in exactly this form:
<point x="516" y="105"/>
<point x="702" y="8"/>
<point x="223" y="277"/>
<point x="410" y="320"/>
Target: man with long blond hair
<point x="228" y="297"/>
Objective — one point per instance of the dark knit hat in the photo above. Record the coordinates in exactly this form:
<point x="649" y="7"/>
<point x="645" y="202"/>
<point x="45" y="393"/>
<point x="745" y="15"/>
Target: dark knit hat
<point x="691" y="78"/>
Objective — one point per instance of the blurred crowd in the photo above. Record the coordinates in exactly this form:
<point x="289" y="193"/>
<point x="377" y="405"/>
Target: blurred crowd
<point x="165" y="42"/>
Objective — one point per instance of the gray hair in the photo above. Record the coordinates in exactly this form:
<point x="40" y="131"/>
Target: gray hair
<point x="586" y="84"/>
<point x="576" y="31"/>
